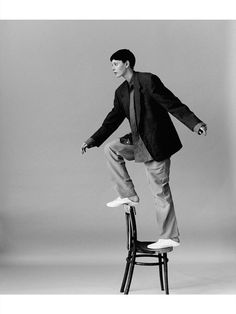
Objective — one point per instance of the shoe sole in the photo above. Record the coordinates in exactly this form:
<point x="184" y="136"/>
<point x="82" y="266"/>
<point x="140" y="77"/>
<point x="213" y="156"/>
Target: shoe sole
<point x="129" y="203"/>
<point x="162" y="247"/>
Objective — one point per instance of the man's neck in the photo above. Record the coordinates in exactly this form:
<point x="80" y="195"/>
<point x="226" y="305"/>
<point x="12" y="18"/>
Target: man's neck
<point x="128" y="75"/>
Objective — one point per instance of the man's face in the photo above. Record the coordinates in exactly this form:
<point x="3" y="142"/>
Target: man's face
<point x="119" y="68"/>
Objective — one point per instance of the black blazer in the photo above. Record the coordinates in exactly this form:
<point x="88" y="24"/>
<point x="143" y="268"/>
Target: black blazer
<point x="153" y="101"/>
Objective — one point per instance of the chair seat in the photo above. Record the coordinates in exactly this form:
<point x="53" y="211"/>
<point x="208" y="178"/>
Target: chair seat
<point x="142" y="247"/>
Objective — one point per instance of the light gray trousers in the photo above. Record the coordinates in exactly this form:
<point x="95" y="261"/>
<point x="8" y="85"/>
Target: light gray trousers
<point x="158" y="179"/>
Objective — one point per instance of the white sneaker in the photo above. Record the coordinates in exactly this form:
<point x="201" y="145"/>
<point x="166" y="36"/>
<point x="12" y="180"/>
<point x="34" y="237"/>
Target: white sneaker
<point x="163" y="243"/>
<point x="121" y="201"/>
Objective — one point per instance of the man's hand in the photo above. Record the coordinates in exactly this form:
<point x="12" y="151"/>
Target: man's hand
<point x="87" y="144"/>
<point x="203" y="130"/>
<point x="83" y="148"/>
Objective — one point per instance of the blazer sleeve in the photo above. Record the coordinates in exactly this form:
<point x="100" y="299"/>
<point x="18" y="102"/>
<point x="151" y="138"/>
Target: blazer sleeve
<point x="112" y="121"/>
<point x="172" y="104"/>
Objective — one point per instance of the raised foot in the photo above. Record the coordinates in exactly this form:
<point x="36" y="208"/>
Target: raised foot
<point x="121" y="201"/>
<point x="163" y="243"/>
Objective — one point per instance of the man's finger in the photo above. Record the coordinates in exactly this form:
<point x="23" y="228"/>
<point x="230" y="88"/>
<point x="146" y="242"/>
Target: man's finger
<point x="83" y="148"/>
<point x="204" y="131"/>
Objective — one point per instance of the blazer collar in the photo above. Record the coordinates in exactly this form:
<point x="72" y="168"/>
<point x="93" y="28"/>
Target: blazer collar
<point x="126" y="99"/>
<point x="135" y="79"/>
<point x="137" y="94"/>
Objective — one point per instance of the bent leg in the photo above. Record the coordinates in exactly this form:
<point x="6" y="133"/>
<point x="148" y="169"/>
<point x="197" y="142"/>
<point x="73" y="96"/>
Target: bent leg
<point x="115" y="153"/>
<point x="158" y="179"/>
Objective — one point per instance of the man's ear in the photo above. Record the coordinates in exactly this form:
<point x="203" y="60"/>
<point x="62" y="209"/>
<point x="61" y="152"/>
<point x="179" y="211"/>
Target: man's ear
<point x="127" y="63"/>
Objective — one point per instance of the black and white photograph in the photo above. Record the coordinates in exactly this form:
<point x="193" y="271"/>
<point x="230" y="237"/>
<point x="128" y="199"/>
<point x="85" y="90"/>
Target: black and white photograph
<point x="117" y="153"/>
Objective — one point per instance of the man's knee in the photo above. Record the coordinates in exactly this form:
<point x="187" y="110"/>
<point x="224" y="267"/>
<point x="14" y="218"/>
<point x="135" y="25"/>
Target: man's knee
<point x="118" y="150"/>
<point x="109" y="147"/>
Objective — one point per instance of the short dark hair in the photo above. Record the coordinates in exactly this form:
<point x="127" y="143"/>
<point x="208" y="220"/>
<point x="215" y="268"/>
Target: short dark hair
<point x="124" y="55"/>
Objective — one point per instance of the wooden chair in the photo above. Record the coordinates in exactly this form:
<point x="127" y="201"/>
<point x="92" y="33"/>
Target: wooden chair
<point x="137" y="249"/>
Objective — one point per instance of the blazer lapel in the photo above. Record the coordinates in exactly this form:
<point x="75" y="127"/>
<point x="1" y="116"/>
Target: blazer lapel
<point x="137" y="95"/>
<point x="125" y="98"/>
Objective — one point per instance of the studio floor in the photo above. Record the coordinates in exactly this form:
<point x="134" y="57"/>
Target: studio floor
<point x="105" y="278"/>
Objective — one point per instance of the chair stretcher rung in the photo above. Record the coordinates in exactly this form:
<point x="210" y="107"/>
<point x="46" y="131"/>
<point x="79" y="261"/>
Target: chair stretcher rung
<point x="146" y="264"/>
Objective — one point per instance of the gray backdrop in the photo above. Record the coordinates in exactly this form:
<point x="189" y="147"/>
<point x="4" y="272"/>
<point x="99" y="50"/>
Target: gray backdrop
<point x="56" y="86"/>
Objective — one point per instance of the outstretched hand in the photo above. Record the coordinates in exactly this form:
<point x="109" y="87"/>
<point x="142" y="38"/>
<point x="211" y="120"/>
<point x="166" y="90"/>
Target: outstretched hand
<point x="83" y="148"/>
<point x="203" y="130"/>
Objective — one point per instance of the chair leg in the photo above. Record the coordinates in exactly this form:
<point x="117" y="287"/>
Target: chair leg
<point x="131" y="270"/>
<point x="161" y="272"/>
<point x="166" y="272"/>
<point x="126" y="272"/>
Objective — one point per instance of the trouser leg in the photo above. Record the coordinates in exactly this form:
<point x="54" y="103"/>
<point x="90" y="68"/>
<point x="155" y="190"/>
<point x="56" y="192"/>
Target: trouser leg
<point x="115" y="153"/>
<point x="158" y="179"/>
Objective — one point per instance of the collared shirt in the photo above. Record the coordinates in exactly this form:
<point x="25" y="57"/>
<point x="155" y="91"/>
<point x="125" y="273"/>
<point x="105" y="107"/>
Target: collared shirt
<point x="141" y="154"/>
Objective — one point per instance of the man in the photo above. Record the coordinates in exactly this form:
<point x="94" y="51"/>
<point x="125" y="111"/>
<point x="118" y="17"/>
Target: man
<point x="145" y="102"/>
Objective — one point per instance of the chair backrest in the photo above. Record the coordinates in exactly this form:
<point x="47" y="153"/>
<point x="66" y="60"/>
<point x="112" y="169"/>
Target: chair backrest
<point x="131" y="228"/>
